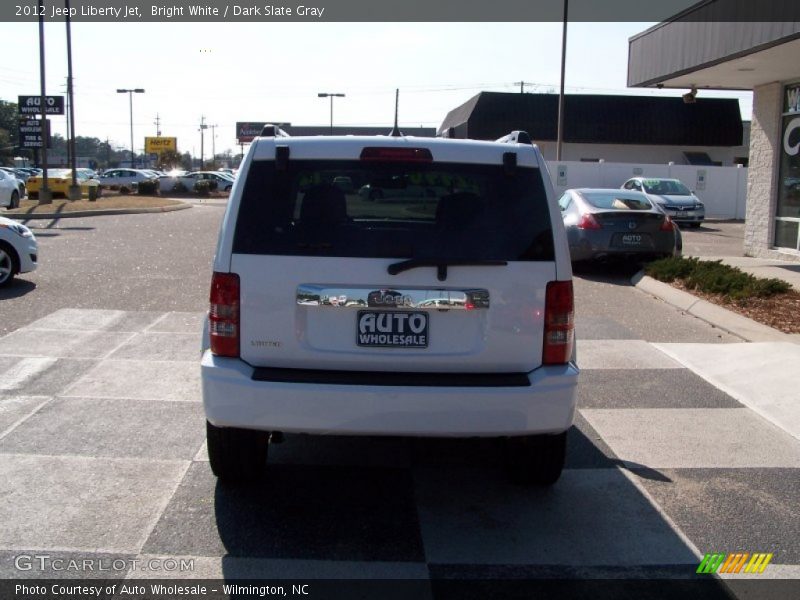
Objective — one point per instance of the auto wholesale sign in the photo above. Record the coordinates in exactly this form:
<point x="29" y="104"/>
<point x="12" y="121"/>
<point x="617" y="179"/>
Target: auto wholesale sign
<point x="157" y="145"/>
<point x="30" y="105"/>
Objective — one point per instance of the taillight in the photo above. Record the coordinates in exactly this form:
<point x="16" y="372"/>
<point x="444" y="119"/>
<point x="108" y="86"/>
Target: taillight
<point x="559" y="323"/>
<point x="589" y="222"/>
<point x="223" y="314"/>
<point x="667" y="224"/>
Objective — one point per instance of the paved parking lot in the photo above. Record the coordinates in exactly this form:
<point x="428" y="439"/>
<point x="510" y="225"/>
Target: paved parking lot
<point x="102" y="443"/>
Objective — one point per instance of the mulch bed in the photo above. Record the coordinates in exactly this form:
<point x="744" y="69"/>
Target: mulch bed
<point x="781" y="311"/>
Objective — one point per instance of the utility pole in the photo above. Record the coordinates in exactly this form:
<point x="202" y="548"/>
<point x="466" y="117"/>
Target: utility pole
<point x="108" y="153"/>
<point x="203" y="127"/>
<point x="44" y="193"/>
<point x="214" y="145"/>
<point x="157" y="123"/>
<point x="522" y="85"/>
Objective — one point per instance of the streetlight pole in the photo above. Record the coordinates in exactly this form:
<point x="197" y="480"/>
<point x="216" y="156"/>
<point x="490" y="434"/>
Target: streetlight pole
<point x="560" y="135"/>
<point x="130" y="93"/>
<point x="331" y="96"/>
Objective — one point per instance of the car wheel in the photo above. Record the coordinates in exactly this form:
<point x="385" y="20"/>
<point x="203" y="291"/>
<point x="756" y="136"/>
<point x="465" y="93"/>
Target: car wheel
<point x="9" y="264"/>
<point x="14" y="200"/>
<point x="536" y="459"/>
<point x="227" y="188"/>
<point x="236" y="455"/>
<point x="124" y="189"/>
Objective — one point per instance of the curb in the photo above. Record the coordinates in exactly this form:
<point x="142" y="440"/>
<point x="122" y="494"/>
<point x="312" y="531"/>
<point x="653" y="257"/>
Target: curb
<point x="96" y="213"/>
<point x="727" y="320"/>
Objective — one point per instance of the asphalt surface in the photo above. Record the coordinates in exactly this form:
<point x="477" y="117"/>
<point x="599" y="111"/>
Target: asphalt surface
<point x="129" y="262"/>
<point x="100" y="399"/>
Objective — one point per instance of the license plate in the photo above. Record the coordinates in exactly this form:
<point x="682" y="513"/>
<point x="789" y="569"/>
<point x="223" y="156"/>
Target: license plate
<point x="390" y="329"/>
<point x="681" y="213"/>
<point x="632" y="239"/>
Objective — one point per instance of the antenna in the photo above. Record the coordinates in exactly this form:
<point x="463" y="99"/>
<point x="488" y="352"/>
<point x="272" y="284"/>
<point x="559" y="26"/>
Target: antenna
<point x="395" y="132"/>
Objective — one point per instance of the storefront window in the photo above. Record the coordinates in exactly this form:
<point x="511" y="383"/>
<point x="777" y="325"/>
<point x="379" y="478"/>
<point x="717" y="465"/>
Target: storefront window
<point x="787" y="225"/>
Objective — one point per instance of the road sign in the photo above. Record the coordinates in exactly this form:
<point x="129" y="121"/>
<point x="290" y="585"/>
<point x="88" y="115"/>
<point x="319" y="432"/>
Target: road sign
<point x="30" y="133"/>
<point x="30" y="105"/>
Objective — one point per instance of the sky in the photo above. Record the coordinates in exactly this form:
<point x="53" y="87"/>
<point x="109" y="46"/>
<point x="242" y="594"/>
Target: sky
<point x="266" y="72"/>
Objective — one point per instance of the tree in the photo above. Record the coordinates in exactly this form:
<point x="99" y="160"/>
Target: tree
<point x="8" y="131"/>
<point x="168" y="160"/>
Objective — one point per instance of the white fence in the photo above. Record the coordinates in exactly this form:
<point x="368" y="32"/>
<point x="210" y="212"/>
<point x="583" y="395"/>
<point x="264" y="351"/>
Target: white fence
<point x="722" y="189"/>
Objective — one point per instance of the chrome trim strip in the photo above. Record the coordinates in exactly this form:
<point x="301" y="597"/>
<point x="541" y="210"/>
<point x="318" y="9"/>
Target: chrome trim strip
<point x="309" y="294"/>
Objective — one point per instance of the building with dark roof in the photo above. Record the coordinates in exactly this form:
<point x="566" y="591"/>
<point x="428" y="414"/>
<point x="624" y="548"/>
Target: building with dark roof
<point x="610" y="127"/>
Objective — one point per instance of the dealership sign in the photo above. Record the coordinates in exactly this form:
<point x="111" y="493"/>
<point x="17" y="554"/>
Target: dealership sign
<point x="246" y="131"/>
<point x="30" y="133"/>
<point x="30" y="105"/>
<point x="157" y="145"/>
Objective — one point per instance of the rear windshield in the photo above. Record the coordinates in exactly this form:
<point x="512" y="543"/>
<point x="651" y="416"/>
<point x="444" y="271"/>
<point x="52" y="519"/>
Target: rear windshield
<point x="394" y="210"/>
<point x="617" y="202"/>
<point x="665" y="187"/>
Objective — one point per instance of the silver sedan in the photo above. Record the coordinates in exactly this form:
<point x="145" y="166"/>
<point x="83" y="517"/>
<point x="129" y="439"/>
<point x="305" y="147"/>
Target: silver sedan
<point x="604" y="223"/>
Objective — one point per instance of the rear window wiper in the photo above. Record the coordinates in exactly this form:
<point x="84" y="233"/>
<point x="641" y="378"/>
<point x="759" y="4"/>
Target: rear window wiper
<point x="441" y="265"/>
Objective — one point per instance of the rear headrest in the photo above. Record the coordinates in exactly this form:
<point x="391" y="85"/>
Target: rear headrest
<point x="323" y="203"/>
<point x="460" y="210"/>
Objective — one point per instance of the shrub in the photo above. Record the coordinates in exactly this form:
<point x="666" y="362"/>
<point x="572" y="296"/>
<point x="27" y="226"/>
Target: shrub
<point x="671" y="268"/>
<point x="202" y="188"/>
<point x="149" y="187"/>
<point x="713" y="277"/>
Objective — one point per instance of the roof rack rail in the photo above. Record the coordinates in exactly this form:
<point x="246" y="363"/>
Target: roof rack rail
<point x="270" y="130"/>
<point x="516" y="137"/>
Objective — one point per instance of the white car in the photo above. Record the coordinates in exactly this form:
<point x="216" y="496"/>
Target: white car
<point x="9" y="190"/>
<point x="223" y="180"/>
<point x="123" y="179"/>
<point x="18" y="250"/>
<point x="672" y="197"/>
<point x="448" y="317"/>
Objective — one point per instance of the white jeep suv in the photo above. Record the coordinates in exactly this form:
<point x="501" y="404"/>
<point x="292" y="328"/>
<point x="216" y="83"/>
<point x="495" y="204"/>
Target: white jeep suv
<point x="443" y="314"/>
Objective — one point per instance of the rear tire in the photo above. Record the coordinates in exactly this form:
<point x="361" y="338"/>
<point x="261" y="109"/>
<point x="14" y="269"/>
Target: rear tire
<point x="14" y="201"/>
<point x="236" y="455"/>
<point x="9" y="264"/>
<point x="536" y="459"/>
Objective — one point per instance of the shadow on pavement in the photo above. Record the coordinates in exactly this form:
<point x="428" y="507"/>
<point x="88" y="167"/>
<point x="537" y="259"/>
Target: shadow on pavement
<point x="446" y="506"/>
<point x="615" y="272"/>
<point x="17" y="289"/>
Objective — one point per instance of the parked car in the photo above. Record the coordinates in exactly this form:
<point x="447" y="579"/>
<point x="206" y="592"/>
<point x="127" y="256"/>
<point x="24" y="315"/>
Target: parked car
<point x="222" y="181"/>
<point x="59" y="180"/>
<point x="125" y="180"/>
<point x="9" y="190"/>
<point x="19" y="176"/>
<point x="605" y="223"/>
<point x="397" y="187"/>
<point x="331" y="315"/>
<point x="18" y="250"/>
<point x="672" y="196"/>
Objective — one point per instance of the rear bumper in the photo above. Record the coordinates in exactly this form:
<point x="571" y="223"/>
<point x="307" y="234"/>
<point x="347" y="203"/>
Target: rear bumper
<point x="233" y="399"/>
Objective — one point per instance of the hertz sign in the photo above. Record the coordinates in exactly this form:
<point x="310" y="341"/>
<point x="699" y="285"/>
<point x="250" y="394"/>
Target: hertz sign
<point x="157" y="145"/>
